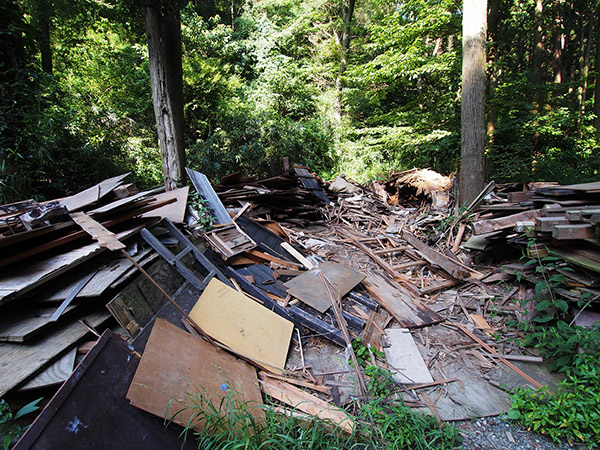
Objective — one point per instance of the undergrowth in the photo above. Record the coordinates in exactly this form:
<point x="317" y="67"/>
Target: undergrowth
<point x="571" y="410"/>
<point x="379" y="424"/>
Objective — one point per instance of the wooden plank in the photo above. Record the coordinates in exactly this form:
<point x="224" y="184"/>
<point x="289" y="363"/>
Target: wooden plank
<point x="38" y="273"/>
<point x="404" y="359"/>
<point x="175" y="211"/>
<point x="577" y="259"/>
<point x="322" y="328"/>
<point x="90" y="409"/>
<point x="308" y="288"/>
<point x="229" y="240"/>
<point x="55" y="374"/>
<point x="302" y="400"/>
<point x="177" y="367"/>
<point x="265" y="257"/>
<point x="204" y="188"/>
<point x="106" y="239"/>
<point x="545" y="224"/>
<point x="12" y="209"/>
<point x="121" y="202"/>
<point x="249" y="329"/>
<point x="573" y="231"/>
<point x="592" y="187"/>
<point x="18" y="362"/>
<point x="92" y="194"/>
<point x="406" y="309"/>
<point x="374" y="329"/>
<point x="299" y="257"/>
<point x="437" y="259"/>
<point x="20" y="324"/>
<point x="502" y="223"/>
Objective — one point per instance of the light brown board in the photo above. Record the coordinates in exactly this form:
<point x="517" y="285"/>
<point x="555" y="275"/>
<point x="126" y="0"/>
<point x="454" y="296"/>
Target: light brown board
<point x="92" y="194"/>
<point x="175" y="212"/>
<point x="105" y="238"/>
<point x="407" y="310"/>
<point x="404" y="359"/>
<point x="55" y="374"/>
<point x="18" y="362"/>
<point x="177" y="366"/>
<point x="308" y="287"/>
<point x="245" y="326"/>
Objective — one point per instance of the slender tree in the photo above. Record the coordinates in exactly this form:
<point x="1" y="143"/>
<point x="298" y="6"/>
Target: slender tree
<point x="347" y="14"/>
<point x="163" y="28"/>
<point x="473" y="133"/>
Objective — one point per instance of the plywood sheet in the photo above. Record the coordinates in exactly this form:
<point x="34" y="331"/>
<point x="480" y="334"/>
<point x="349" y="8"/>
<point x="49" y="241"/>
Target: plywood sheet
<point x="175" y="211"/>
<point x="93" y="194"/>
<point x="90" y="410"/>
<point x="309" y="288"/>
<point x="18" y="362"/>
<point x="248" y="328"/>
<point x="405" y="361"/>
<point x="20" y="324"/>
<point x="408" y="310"/>
<point x="176" y="367"/>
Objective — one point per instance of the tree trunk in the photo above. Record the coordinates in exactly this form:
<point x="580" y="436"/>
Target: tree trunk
<point x="43" y="13"/>
<point x="493" y="19"/>
<point x="585" y="69"/>
<point x="559" y="45"/>
<point x="347" y="14"/>
<point x="538" y="55"/>
<point x="164" y="50"/>
<point x="473" y="100"/>
<point x="597" y="87"/>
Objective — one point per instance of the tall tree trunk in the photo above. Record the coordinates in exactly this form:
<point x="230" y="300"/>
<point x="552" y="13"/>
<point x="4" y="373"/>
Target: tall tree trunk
<point x="492" y="27"/>
<point x="538" y="55"/>
<point x="43" y="12"/>
<point x="585" y="68"/>
<point x="347" y="15"/>
<point x="164" y="50"/>
<point x="473" y="100"/>
<point x="597" y="87"/>
<point x="558" y="64"/>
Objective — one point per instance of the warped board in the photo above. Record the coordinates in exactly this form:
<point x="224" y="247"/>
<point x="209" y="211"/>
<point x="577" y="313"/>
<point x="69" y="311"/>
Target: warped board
<point x="309" y="288"/>
<point x="302" y="400"/>
<point x="92" y="194"/>
<point x="177" y="367"/>
<point x="405" y="361"/>
<point x="56" y="373"/>
<point x="407" y="310"/>
<point x="19" y="324"/>
<point x="38" y="273"/>
<point x="245" y="326"/>
<point x="18" y="361"/>
<point x="90" y="410"/>
<point x="175" y="211"/>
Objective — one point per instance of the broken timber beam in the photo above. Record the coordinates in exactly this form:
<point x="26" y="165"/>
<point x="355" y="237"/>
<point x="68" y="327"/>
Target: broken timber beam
<point x="502" y="223"/>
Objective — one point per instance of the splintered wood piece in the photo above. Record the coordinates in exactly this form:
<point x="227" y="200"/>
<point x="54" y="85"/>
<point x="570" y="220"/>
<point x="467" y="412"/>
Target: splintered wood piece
<point x="481" y="323"/>
<point x="257" y="256"/>
<point x="406" y="309"/>
<point x="501" y="223"/>
<point x="243" y="325"/>
<point x="106" y="239"/>
<point x="374" y="329"/>
<point x="229" y="240"/>
<point x="18" y="362"/>
<point x="459" y="237"/>
<point x="308" y="288"/>
<point x="177" y="368"/>
<point x="299" y="257"/>
<point x="302" y="400"/>
<point x="93" y="194"/>
<point x="55" y="374"/>
<point x="404" y="359"/>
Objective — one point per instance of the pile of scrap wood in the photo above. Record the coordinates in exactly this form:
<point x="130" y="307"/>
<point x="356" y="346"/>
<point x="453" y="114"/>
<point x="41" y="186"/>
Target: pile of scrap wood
<point x="251" y="307"/>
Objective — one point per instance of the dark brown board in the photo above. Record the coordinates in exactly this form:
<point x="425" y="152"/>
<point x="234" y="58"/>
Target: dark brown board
<point x="90" y="410"/>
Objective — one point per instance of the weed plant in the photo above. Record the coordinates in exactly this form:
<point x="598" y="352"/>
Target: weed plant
<point x="380" y="424"/>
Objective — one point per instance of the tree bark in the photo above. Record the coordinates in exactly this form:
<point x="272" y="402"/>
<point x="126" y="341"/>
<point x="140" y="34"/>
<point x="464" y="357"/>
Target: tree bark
<point x="585" y="68"/>
<point x="473" y="100"/>
<point x="43" y="13"/>
<point x="538" y="55"/>
<point x="597" y="87"/>
<point x="164" y="50"/>
<point x="347" y="15"/>
<point x="559" y="45"/>
<point x="492" y="26"/>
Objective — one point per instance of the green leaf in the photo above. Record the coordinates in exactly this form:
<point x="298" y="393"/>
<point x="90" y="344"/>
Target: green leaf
<point x="540" y="286"/>
<point x="513" y="414"/>
<point x="544" y="304"/>
<point x="561" y="305"/>
<point x="28" y="408"/>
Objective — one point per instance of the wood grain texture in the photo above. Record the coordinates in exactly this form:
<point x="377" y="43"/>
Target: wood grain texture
<point x="404" y="359"/>
<point x="406" y="309"/>
<point x="302" y="400"/>
<point x="177" y="366"/>
<point x="175" y="211"/>
<point x="18" y="362"/>
<point x="20" y="324"/>
<point x="54" y="374"/>
<point x="93" y="194"/>
<point x="105" y="238"/>
<point x="248" y="328"/>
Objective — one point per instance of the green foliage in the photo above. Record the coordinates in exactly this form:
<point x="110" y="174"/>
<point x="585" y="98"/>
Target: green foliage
<point x="203" y="212"/>
<point x="381" y="423"/>
<point x="10" y="430"/>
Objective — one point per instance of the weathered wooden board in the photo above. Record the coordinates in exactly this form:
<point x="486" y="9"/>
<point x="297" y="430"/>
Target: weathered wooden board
<point x="121" y="202"/>
<point x="573" y="231"/>
<point x="308" y="287"/>
<point x="404" y="359"/>
<point x="38" y="273"/>
<point x="18" y="362"/>
<point x="406" y="309"/>
<point x="175" y="211"/>
<point x="229" y="240"/>
<point x="577" y="259"/>
<point x="592" y="187"/>
<point x="90" y="410"/>
<point x="105" y="238"/>
<point x="302" y="400"/>
<point x="177" y="367"/>
<point x="55" y="374"/>
<point x="21" y="324"/>
<point x="248" y="328"/>
<point x="93" y="194"/>
<point x="501" y="223"/>
<point x="204" y="188"/>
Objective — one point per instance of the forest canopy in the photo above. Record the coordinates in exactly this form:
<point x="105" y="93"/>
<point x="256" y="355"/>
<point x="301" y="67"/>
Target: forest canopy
<point x="357" y="88"/>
